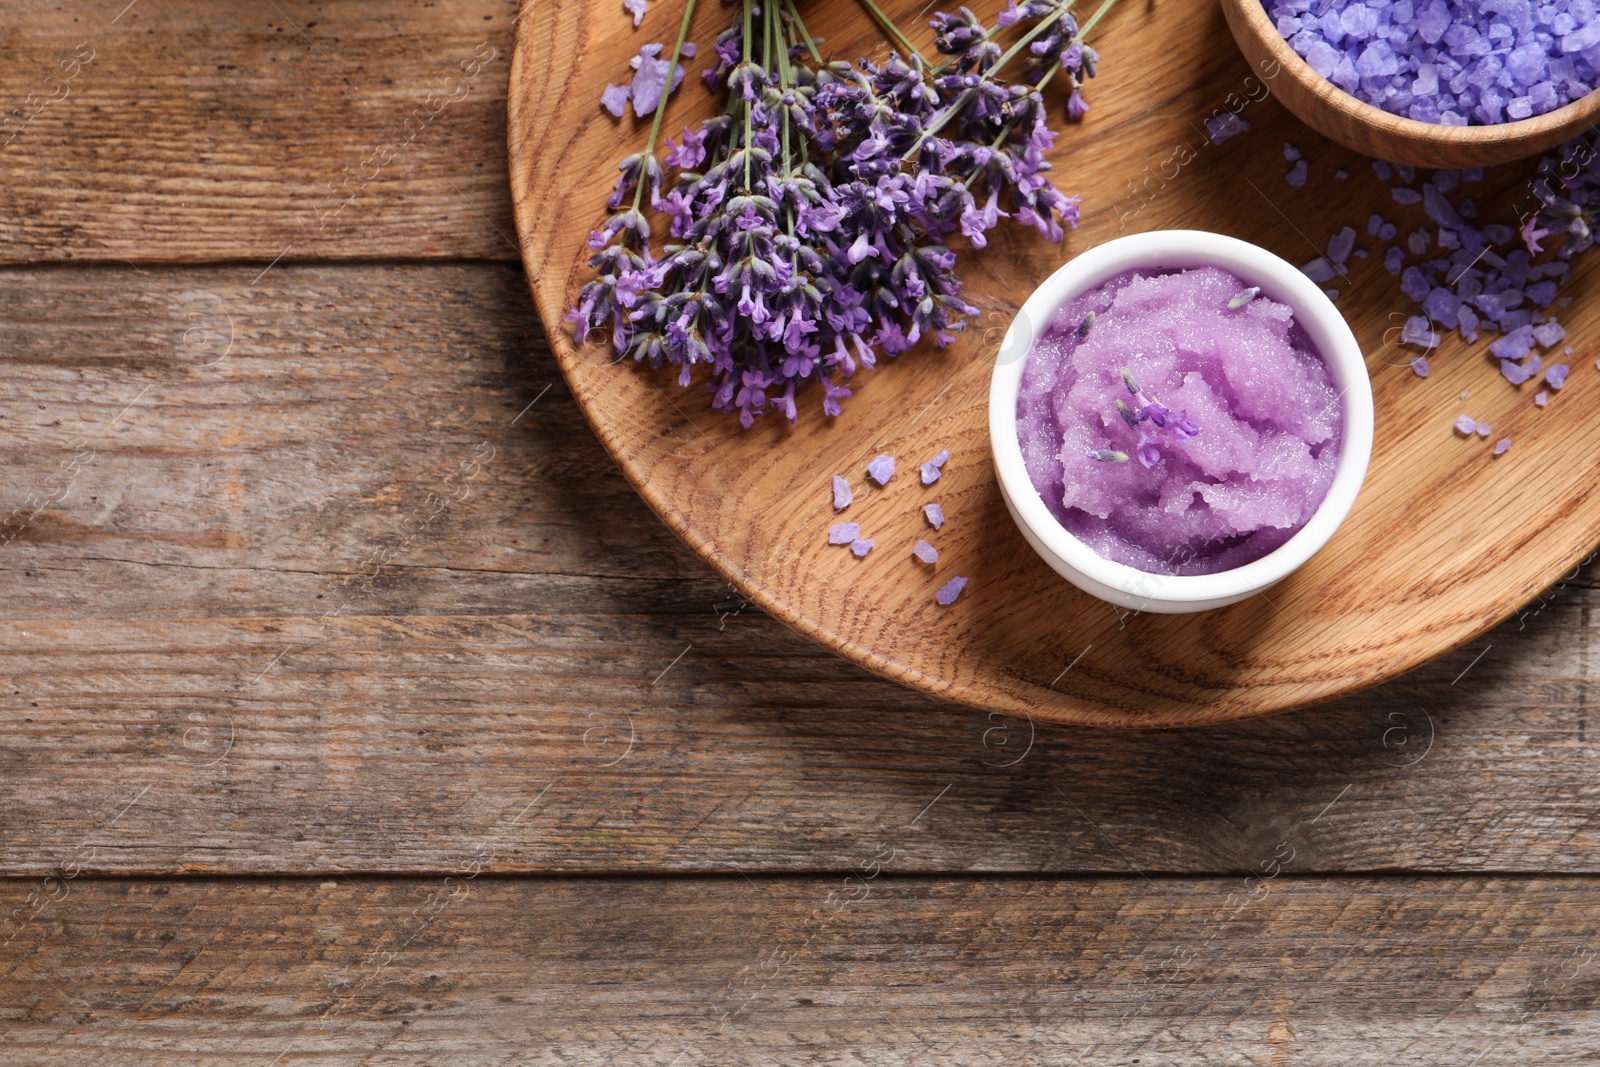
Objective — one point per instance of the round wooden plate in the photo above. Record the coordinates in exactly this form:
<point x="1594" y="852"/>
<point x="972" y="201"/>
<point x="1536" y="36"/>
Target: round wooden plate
<point x="1444" y="542"/>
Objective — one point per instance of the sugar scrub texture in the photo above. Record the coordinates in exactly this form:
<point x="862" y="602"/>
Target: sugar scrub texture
<point x="1270" y="422"/>
<point x="1455" y="62"/>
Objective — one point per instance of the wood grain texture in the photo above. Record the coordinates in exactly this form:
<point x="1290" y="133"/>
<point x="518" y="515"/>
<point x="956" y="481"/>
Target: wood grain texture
<point x="883" y="971"/>
<point x="1372" y="131"/>
<point x="1414" y="571"/>
<point x="268" y="622"/>
<point x="241" y="131"/>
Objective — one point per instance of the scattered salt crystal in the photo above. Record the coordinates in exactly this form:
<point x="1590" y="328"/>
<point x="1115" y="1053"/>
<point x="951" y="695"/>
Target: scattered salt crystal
<point x="1466" y="424"/>
<point x="842" y="533"/>
<point x="1331" y="294"/>
<point x="933" y="468"/>
<point x="1402" y="195"/>
<point x="1419" y="366"/>
<point x="934" y="514"/>
<point x="1549" y="333"/>
<point x="1297" y="174"/>
<point x="1318" y="270"/>
<point x="1555" y="375"/>
<point x="637" y="9"/>
<point x="881" y="469"/>
<point x="1483" y="429"/>
<point x="615" y="99"/>
<point x="1291" y="153"/>
<point x="842" y="497"/>
<point x="925" y="552"/>
<point x="1541" y="398"/>
<point x="1418" y="331"/>
<point x="1387" y="231"/>
<point x="1221" y="127"/>
<point x="1517" y="373"/>
<point x="861" y="546"/>
<point x="949" y="591"/>
<point x="1374" y="223"/>
<point x="1341" y="244"/>
<point x="1341" y="174"/>
<point x="1501" y="445"/>
<point x="1394" y="259"/>
<point x="1383" y="169"/>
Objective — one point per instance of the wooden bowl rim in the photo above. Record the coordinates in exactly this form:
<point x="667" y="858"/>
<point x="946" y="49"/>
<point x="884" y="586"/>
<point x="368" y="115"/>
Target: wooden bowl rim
<point x="1576" y="113"/>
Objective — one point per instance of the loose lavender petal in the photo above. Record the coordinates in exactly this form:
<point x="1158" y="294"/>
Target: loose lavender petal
<point x="949" y="591"/>
<point x="842" y="533"/>
<point x="1555" y="375"/>
<point x="1466" y="424"/>
<point x="881" y="469"/>
<point x="842" y="496"/>
<point x="636" y="8"/>
<point x="862" y="546"/>
<point x="925" y="552"/>
<point x="935" y="515"/>
<point x="1419" y="366"/>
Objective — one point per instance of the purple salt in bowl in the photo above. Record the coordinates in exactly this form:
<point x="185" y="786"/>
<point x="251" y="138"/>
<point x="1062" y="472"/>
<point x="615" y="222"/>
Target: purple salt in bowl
<point x="1370" y="130"/>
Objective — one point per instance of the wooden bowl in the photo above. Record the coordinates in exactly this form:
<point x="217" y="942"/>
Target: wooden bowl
<point x="1372" y="131"/>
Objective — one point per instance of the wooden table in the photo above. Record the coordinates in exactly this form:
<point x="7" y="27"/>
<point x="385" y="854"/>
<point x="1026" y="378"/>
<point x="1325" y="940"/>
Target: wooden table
<point x="356" y="711"/>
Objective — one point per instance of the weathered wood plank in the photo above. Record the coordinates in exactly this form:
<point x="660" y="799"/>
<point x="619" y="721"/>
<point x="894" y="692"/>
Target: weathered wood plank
<point x="194" y="131"/>
<point x="1351" y="972"/>
<point x="267" y="604"/>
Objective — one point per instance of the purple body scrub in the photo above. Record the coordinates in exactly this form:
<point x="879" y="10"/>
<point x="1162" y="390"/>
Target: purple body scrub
<point x="1202" y="349"/>
<point x="1451" y="62"/>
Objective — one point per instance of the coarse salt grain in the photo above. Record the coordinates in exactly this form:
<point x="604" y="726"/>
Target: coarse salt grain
<point x="842" y="497"/>
<point x="934" y="514"/>
<point x="1501" y="445"/>
<point x="881" y="469"/>
<point x="862" y="545"/>
<point x="1466" y="425"/>
<point x="949" y="591"/>
<point x="934" y="467"/>
<point x="925" y="552"/>
<point x="842" y="533"/>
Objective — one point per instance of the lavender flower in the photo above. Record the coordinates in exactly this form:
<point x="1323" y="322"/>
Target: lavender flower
<point x="1164" y="425"/>
<point x="809" y="223"/>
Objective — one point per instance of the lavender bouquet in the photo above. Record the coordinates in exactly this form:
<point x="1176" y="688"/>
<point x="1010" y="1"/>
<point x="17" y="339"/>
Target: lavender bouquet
<point x="809" y="222"/>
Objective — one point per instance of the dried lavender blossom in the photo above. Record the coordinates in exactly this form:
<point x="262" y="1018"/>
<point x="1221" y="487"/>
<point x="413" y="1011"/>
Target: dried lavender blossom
<point x="808" y="221"/>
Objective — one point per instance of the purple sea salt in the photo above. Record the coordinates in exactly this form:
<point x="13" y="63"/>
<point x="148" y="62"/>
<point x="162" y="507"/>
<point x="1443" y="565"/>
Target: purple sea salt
<point x="1318" y="270"/>
<point x="636" y="8"/>
<point x="1419" y="367"/>
<point x="842" y="496"/>
<point x="934" y="467"/>
<point x="934" y="514"/>
<point x="862" y="545"/>
<point x="1483" y="429"/>
<point x="1266" y="417"/>
<point x="1501" y="446"/>
<point x="1466" y="424"/>
<point x="842" y="533"/>
<point x="1402" y="195"/>
<point x="1550" y="333"/>
<point x="1387" y="231"/>
<point x="1454" y="62"/>
<point x="1221" y="127"/>
<point x="1541" y="398"/>
<point x="949" y="591"/>
<point x="1341" y="244"/>
<point x="1555" y="375"/>
<point x="1517" y="373"/>
<point x="1290" y="153"/>
<point x="925" y="552"/>
<point x="881" y="469"/>
<point x="1297" y="173"/>
<point x="1342" y="174"/>
<point x="1394" y="259"/>
<point x="615" y="99"/>
<point x="1419" y="331"/>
